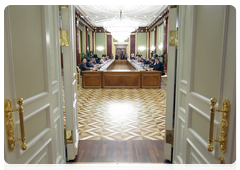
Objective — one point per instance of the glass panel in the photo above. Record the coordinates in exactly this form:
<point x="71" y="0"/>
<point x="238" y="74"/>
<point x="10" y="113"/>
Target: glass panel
<point x="141" y="42"/>
<point x="100" y="42"/>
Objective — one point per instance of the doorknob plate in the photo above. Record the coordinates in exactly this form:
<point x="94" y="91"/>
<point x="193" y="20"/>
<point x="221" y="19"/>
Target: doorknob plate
<point x="9" y="125"/>
<point x="224" y="126"/>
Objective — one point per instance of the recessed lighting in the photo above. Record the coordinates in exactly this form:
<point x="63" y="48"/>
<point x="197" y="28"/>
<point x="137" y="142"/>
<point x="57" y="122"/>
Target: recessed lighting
<point x="154" y="16"/>
<point x="96" y="16"/>
<point x="144" y="15"/>
<point x="106" y="16"/>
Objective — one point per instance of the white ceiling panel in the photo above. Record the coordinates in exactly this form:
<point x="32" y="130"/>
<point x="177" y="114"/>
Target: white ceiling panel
<point x="144" y="14"/>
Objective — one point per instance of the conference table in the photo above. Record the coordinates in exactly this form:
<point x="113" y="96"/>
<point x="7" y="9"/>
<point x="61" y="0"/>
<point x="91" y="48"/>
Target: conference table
<point x="121" y="74"/>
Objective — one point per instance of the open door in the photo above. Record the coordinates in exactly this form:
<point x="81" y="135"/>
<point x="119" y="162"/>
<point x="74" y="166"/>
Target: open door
<point x="32" y="72"/>
<point x="171" y="84"/>
<point x="206" y="68"/>
<point x="70" y="83"/>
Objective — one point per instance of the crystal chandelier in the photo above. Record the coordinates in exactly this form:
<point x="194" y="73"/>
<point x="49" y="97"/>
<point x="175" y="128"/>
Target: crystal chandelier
<point x="120" y="28"/>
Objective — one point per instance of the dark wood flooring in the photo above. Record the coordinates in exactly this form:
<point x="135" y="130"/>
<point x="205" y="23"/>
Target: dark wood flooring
<point x="118" y="151"/>
<point x="110" y="168"/>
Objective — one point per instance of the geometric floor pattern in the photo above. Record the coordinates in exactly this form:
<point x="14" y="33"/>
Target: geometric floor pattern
<point x="121" y="114"/>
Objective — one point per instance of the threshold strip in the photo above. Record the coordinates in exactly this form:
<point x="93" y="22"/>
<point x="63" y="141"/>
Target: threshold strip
<point x="118" y="164"/>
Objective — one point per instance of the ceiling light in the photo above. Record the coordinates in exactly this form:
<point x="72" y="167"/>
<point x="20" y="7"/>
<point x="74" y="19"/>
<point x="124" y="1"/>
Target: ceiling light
<point x="154" y="16"/>
<point x="96" y="16"/>
<point x="144" y="15"/>
<point x="121" y="27"/>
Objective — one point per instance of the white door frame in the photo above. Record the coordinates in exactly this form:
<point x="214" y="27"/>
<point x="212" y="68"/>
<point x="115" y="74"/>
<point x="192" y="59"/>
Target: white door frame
<point x="70" y="83"/>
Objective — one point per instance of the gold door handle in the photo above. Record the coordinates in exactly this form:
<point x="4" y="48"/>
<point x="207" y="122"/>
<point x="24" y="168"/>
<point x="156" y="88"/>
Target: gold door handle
<point x="10" y="125"/>
<point x="224" y="125"/>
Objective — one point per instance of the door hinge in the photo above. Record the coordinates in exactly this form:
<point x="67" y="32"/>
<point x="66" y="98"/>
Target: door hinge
<point x="170" y="136"/>
<point x="63" y="38"/>
<point x="68" y="136"/>
<point x="173" y="40"/>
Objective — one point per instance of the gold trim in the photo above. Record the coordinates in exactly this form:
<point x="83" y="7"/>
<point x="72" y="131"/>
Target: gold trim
<point x="63" y="6"/>
<point x="169" y="136"/>
<point x="69" y="136"/>
<point x="117" y="164"/>
<point x="224" y="125"/>
<point x="9" y="124"/>
<point x="173" y="38"/>
<point x="221" y="160"/>
<point x="64" y="38"/>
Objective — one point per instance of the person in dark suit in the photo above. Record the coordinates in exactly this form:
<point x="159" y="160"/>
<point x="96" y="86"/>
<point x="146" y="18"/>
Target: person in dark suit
<point x="83" y="65"/>
<point x="122" y="57"/>
<point x="158" y="66"/>
<point x="104" y="55"/>
<point x="95" y="55"/>
<point x="89" y="63"/>
<point x="151" y="65"/>
<point x="116" y="57"/>
<point x="155" y="55"/>
<point x="146" y="61"/>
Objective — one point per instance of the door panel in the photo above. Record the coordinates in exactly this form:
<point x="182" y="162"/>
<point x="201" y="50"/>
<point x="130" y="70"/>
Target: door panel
<point x="32" y="72"/>
<point x="210" y="73"/>
<point x="19" y="16"/>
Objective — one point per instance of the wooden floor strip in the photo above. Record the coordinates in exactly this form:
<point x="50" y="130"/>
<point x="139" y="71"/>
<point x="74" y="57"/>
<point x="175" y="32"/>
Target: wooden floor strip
<point x="134" y="151"/>
<point x="118" y="164"/>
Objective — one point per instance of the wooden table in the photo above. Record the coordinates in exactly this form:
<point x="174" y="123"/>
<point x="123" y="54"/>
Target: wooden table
<point x="121" y="74"/>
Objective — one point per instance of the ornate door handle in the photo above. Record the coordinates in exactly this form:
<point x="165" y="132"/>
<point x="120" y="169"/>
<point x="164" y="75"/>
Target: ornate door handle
<point x="10" y="125"/>
<point x="224" y="125"/>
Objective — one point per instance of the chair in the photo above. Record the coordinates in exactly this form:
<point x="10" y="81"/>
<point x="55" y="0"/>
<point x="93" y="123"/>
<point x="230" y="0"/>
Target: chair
<point x="79" y="78"/>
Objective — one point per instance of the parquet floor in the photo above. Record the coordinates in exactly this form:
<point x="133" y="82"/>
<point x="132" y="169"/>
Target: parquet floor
<point x="121" y="114"/>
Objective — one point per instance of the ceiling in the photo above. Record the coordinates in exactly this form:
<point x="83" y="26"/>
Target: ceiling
<point x="143" y="14"/>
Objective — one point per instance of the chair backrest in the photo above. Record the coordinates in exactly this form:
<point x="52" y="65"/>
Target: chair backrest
<point x="78" y="77"/>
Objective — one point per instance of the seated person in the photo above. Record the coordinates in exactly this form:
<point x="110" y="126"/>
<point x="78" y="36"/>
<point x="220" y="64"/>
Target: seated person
<point x="132" y="55"/>
<point x="89" y="63"/>
<point x="126" y="57"/>
<point x="116" y="57"/>
<point x="155" y="55"/>
<point x="104" y="55"/>
<point x="83" y="65"/>
<point x="140" y="55"/>
<point x="98" y="60"/>
<point x="140" y="59"/>
<point x="95" y="55"/>
<point x="94" y="61"/>
<point x="158" y="66"/>
<point x="146" y="61"/>
<point x="151" y="65"/>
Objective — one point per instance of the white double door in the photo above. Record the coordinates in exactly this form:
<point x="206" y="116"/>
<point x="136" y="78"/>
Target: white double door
<point x="32" y="71"/>
<point x="206" y="68"/>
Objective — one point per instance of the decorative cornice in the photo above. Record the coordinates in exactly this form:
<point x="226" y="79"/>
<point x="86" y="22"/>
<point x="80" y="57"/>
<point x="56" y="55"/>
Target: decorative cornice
<point x="84" y="20"/>
<point x="159" y="20"/>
